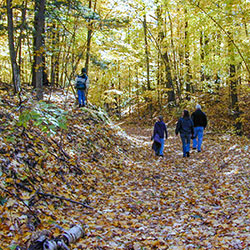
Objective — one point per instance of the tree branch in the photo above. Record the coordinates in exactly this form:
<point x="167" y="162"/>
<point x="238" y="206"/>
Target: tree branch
<point x="227" y="34"/>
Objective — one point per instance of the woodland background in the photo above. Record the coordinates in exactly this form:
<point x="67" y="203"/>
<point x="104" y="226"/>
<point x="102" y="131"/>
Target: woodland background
<point x="64" y="165"/>
<point x="142" y="57"/>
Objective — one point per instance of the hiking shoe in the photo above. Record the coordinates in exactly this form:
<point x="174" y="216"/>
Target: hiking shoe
<point x="188" y="154"/>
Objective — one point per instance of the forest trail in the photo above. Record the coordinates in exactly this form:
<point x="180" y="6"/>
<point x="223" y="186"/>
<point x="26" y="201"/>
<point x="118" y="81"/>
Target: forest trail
<point x="174" y="202"/>
<point x="139" y="201"/>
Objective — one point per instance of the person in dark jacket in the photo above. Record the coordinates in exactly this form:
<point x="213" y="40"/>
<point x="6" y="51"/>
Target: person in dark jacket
<point x="200" y="122"/>
<point x="185" y="127"/>
<point x="81" y="84"/>
<point x="160" y="129"/>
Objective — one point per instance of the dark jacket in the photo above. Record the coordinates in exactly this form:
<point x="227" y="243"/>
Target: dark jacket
<point x="184" y="126"/>
<point x="160" y="128"/>
<point x="81" y="82"/>
<point x="199" y="118"/>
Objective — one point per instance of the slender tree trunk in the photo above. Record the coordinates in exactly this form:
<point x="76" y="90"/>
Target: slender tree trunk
<point x="202" y="56"/>
<point x="160" y="38"/>
<point x="129" y="89"/>
<point x="137" y="92"/>
<point x="233" y="84"/>
<point x="53" y="56"/>
<point x="179" y="58"/>
<point x="203" y="45"/>
<point x="119" y="88"/>
<point x="169" y="80"/>
<point x="13" y="54"/>
<point x="187" y="61"/>
<point x="233" y="77"/>
<point x="89" y="36"/>
<point x="146" y="50"/>
<point x="147" y="63"/>
<point x="159" y="80"/>
<point x="20" y="39"/>
<point x="39" y="47"/>
<point x="174" y="57"/>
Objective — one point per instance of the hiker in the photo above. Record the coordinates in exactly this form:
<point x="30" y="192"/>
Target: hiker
<point x="82" y="83"/>
<point x="160" y="129"/>
<point x="200" y="122"/>
<point x="185" y="127"/>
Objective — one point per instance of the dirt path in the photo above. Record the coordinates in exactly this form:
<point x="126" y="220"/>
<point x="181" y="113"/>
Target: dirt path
<point x="174" y="203"/>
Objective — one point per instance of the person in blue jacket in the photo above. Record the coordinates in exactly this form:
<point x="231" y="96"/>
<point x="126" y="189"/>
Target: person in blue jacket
<point x="160" y="129"/>
<point x="185" y="127"/>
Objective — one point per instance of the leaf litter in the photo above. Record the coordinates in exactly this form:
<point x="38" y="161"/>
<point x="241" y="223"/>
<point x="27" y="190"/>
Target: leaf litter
<point x="133" y="199"/>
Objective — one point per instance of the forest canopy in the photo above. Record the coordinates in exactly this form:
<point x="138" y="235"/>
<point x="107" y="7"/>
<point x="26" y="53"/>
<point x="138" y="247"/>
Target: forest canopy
<point x="142" y="57"/>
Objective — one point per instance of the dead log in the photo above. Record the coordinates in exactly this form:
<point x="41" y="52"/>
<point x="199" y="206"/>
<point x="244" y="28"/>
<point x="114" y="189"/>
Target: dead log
<point x="43" y="242"/>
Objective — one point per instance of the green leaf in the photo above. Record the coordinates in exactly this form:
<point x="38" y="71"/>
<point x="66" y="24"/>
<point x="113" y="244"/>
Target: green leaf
<point x="13" y="247"/>
<point x="2" y="200"/>
<point x="10" y="139"/>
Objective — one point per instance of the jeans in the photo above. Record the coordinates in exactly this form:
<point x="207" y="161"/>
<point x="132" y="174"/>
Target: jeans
<point x="162" y="146"/>
<point x="198" y="133"/>
<point x="81" y="97"/>
<point x="185" y="138"/>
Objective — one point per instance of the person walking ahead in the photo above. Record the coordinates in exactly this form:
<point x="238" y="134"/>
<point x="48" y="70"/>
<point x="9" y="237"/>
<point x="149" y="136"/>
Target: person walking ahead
<point x="160" y="129"/>
<point x="81" y="86"/>
<point x="185" y="127"/>
<point x="200" y="122"/>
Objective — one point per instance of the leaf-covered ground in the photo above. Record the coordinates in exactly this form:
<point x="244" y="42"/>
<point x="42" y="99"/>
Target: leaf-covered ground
<point x="133" y="200"/>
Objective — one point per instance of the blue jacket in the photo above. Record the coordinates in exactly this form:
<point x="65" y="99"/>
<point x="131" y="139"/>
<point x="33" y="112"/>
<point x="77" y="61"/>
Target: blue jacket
<point x="185" y="126"/>
<point x="160" y="128"/>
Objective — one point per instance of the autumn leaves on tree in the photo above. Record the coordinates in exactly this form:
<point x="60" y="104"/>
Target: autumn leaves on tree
<point x="165" y="52"/>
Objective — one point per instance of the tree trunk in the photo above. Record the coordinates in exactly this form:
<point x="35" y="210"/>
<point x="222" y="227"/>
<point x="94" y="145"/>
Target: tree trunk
<point x="89" y="36"/>
<point x="233" y="77"/>
<point x="38" y="67"/>
<point x="202" y="56"/>
<point x="169" y="80"/>
<point x="187" y="61"/>
<point x="159" y="80"/>
<point x="146" y="50"/>
<point x="119" y="88"/>
<point x="54" y="35"/>
<point x="147" y="63"/>
<point x="137" y="92"/>
<point x="174" y="59"/>
<point x="20" y="39"/>
<point x="203" y="51"/>
<point x="13" y="54"/>
<point x="233" y="84"/>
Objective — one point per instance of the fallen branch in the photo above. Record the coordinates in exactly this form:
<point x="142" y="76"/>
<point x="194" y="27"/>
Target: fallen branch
<point x="53" y="196"/>
<point x="63" y="198"/>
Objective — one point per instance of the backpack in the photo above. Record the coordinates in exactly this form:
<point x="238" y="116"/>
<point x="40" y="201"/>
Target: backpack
<point x="81" y="82"/>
